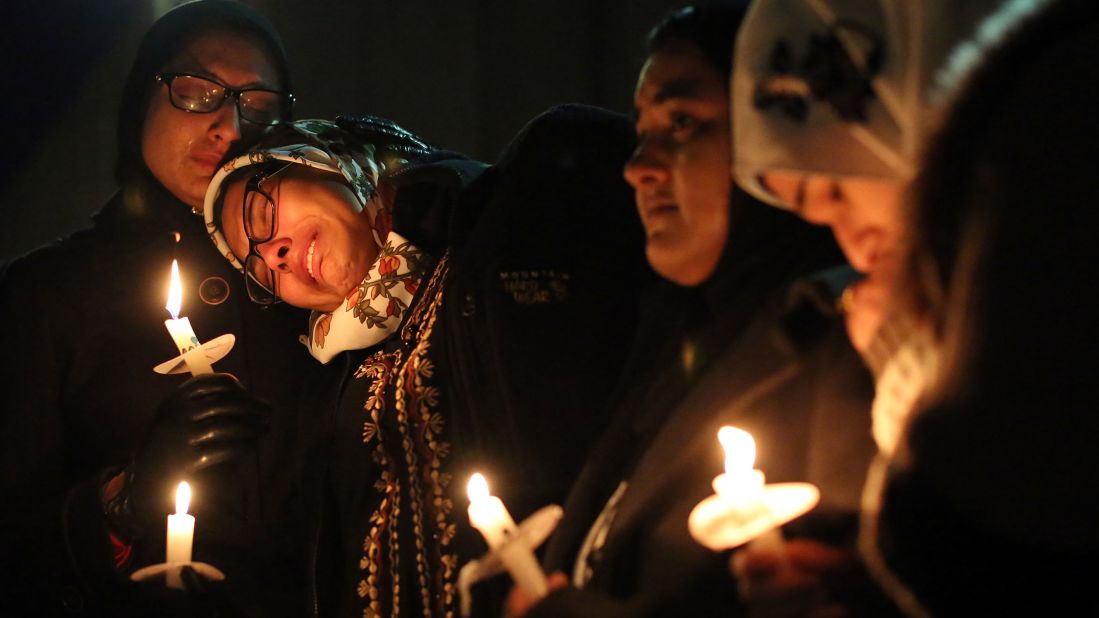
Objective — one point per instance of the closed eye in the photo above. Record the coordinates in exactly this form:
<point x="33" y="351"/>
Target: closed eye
<point x="682" y="122"/>
<point x="835" y="191"/>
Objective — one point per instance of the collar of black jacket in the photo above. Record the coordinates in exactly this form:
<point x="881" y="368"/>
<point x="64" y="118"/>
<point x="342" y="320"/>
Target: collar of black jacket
<point x="425" y="195"/>
<point x="766" y="251"/>
<point x="812" y="305"/>
<point x="145" y="207"/>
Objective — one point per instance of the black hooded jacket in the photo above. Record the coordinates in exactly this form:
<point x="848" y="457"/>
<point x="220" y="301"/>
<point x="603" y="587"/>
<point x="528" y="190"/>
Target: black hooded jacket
<point x="83" y="322"/>
<point x="740" y="349"/>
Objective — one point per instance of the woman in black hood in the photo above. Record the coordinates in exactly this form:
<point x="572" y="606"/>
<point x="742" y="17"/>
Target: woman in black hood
<point x="161" y="44"/>
<point x="80" y="416"/>
<point x="725" y="338"/>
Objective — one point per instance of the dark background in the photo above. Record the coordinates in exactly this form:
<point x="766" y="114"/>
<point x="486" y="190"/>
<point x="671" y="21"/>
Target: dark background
<point x="465" y="74"/>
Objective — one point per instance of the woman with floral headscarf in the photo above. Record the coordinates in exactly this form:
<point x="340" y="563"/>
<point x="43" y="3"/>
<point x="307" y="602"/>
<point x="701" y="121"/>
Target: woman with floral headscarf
<point x="477" y="314"/>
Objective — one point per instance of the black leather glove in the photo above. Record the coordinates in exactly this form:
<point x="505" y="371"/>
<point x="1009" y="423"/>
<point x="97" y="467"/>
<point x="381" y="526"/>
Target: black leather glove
<point x="208" y="421"/>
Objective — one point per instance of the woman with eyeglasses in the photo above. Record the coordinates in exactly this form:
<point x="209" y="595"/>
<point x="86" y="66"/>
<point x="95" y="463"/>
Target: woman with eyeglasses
<point x="479" y="313"/>
<point x="88" y="463"/>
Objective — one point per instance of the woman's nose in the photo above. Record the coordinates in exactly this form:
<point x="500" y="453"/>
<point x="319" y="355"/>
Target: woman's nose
<point x="275" y="254"/>
<point x="820" y="201"/>
<point x="225" y="124"/>
<point x="646" y="166"/>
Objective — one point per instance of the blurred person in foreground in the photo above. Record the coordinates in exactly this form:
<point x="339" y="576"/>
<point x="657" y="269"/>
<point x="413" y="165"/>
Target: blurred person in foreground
<point x="984" y="412"/>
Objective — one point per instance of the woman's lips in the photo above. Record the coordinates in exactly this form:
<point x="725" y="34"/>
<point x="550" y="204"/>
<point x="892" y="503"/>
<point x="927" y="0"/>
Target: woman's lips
<point x="655" y="212"/>
<point x="662" y="209"/>
<point x="207" y="161"/>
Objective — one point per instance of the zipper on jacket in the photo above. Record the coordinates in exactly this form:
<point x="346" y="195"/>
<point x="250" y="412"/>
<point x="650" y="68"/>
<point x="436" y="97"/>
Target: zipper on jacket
<point x="315" y="541"/>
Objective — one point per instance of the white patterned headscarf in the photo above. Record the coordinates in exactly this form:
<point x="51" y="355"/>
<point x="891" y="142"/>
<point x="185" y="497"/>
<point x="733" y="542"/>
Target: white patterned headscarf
<point x="842" y="87"/>
<point x="373" y="310"/>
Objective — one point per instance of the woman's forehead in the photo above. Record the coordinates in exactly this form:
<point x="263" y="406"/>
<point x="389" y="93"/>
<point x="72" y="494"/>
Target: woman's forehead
<point x="677" y="71"/>
<point x="239" y="59"/>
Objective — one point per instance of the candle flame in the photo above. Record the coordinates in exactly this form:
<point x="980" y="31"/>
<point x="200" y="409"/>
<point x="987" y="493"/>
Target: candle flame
<point x="477" y="487"/>
<point x="740" y="449"/>
<point x="183" y="498"/>
<point x="175" y="292"/>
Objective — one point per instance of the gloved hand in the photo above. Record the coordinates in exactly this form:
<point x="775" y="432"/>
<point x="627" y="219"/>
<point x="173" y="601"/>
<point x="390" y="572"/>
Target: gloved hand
<point x="208" y="421"/>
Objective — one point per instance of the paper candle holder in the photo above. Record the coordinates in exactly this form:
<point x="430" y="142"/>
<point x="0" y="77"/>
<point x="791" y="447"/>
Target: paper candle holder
<point x="717" y="524"/>
<point x="744" y="508"/>
<point x="172" y="570"/>
<point x="205" y="354"/>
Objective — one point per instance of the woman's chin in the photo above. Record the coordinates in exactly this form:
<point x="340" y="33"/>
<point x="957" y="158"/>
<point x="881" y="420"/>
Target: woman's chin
<point x="866" y="307"/>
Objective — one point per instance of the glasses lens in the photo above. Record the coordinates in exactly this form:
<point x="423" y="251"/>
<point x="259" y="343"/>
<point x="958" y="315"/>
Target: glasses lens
<point x="263" y="106"/>
<point x="260" y="281"/>
<point x="259" y="214"/>
<point x="195" y="94"/>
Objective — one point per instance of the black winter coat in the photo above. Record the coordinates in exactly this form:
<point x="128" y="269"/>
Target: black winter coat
<point x="742" y="356"/>
<point x="84" y="321"/>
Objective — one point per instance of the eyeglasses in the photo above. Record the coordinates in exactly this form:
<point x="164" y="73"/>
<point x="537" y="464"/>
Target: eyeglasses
<point x="194" y="93"/>
<point x="260" y="213"/>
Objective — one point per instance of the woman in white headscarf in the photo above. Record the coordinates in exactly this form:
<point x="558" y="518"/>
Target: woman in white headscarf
<point x="981" y="287"/>
<point x="833" y="100"/>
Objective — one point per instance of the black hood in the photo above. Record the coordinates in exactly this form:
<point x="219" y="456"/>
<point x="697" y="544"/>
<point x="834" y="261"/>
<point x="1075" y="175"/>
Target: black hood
<point x="161" y="43"/>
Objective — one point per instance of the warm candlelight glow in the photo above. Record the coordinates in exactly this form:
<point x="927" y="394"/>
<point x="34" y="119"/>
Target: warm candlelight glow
<point x="477" y="489"/>
<point x="183" y="498"/>
<point x="487" y="513"/>
<point x="181" y="535"/>
<point x="175" y="292"/>
<point x="744" y="508"/>
<point x="742" y="484"/>
<point x="740" y="449"/>
<point x="180" y="328"/>
<point x="490" y="517"/>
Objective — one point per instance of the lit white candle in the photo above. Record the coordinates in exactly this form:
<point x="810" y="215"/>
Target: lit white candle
<point x="180" y="328"/>
<point x="744" y="509"/>
<point x="740" y="488"/>
<point x="181" y="534"/>
<point x="741" y="485"/>
<point x="488" y="514"/>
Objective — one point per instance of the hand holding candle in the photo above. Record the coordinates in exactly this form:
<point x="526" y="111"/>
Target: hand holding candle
<point x="488" y="514"/>
<point x="206" y="422"/>
<point x="745" y="509"/>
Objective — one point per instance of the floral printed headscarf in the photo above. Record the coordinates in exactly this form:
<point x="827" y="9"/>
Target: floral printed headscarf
<point x="374" y="309"/>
